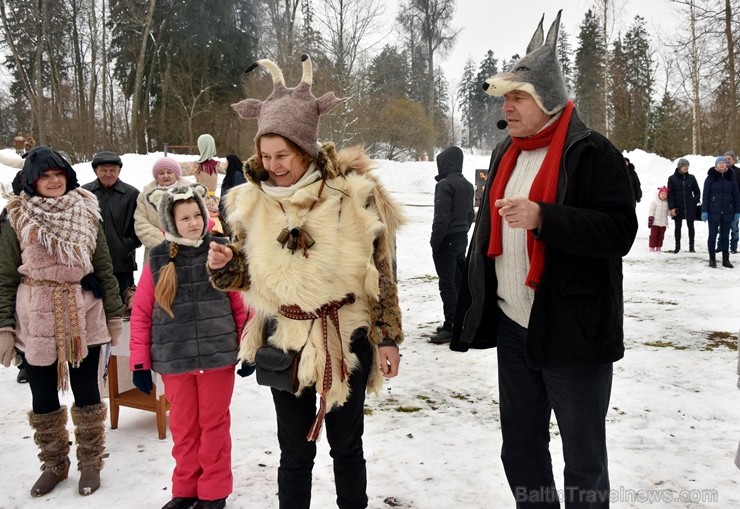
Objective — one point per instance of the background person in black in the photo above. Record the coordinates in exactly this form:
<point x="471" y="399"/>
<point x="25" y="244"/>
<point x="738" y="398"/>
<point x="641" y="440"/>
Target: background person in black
<point x="634" y="180"/>
<point x="683" y="197"/>
<point x="453" y="215"/>
<point x="117" y="205"/>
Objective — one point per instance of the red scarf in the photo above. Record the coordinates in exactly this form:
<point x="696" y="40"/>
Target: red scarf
<point x="544" y="187"/>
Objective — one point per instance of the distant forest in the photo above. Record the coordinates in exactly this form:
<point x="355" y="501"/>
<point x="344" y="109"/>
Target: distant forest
<point x="133" y="75"/>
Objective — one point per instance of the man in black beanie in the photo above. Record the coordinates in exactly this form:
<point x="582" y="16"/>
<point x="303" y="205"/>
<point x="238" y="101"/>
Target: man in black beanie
<point x="117" y="205"/>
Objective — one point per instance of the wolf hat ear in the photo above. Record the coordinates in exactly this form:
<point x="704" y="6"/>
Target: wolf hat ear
<point x="537" y="73"/>
<point x="290" y="112"/>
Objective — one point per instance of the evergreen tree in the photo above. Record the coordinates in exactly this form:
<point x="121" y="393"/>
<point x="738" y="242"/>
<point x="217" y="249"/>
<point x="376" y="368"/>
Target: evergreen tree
<point x="565" y="57"/>
<point x="590" y="67"/>
<point x="487" y="108"/>
<point x="620" y="109"/>
<point x="640" y="82"/>
<point x="466" y="91"/>
<point x="670" y="129"/>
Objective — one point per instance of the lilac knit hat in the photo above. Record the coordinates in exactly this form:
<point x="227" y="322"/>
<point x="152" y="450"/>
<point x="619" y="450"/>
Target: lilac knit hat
<point x="166" y="163"/>
<point x="290" y="112"/>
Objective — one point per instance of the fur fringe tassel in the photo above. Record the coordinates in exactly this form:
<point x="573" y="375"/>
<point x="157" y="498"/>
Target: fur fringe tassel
<point x="315" y="432"/>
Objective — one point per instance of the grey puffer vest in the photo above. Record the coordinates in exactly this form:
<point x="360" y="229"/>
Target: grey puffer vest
<point x="203" y="334"/>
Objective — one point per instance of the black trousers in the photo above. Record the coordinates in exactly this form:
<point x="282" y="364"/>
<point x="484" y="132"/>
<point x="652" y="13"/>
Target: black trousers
<point x="448" y="262"/>
<point x="83" y="380"/>
<point x="344" y="429"/>
<point x="125" y="279"/>
<point x="677" y="231"/>
<point x="580" y="399"/>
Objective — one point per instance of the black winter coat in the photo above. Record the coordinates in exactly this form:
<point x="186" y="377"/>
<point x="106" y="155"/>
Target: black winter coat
<point x="453" y="198"/>
<point x="577" y="315"/>
<point x="721" y="196"/>
<point x="117" y="206"/>
<point x="683" y="195"/>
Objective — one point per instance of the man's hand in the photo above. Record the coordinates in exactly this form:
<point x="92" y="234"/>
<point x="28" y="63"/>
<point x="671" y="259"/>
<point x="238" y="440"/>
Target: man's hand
<point x="520" y="212"/>
<point x="218" y="256"/>
<point x="390" y="359"/>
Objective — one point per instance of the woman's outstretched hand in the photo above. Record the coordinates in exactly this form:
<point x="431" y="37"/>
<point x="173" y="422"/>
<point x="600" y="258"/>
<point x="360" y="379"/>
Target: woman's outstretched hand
<point x="218" y="256"/>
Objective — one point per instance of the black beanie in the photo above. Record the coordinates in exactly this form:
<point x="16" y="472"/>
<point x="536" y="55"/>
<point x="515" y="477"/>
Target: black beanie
<point x="41" y="159"/>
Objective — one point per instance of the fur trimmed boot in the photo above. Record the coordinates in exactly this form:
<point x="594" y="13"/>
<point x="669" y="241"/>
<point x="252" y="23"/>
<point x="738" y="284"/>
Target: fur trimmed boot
<point x="89" y="424"/>
<point x="52" y="437"/>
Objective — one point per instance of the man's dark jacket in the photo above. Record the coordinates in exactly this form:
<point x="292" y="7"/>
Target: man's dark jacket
<point x="453" y="198"/>
<point x="117" y="206"/>
<point x="577" y="315"/>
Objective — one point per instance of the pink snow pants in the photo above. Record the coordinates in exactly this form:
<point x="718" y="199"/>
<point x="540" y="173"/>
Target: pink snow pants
<point x="200" y="423"/>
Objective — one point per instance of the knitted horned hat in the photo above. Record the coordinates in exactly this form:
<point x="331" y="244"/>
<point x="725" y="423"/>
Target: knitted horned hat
<point x="164" y="199"/>
<point x="290" y="112"/>
<point x="538" y="73"/>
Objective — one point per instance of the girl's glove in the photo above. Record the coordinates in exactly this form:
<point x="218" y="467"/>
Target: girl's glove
<point x="246" y="369"/>
<point x="704" y="216"/>
<point x="143" y="380"/>
<point x="650" y="221"/>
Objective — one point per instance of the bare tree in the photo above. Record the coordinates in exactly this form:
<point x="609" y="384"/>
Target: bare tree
<point x="137" y="141"/>
<point x="731" y="73"/>
<point x="433" y="18"/>
<point x="279" y="37"/>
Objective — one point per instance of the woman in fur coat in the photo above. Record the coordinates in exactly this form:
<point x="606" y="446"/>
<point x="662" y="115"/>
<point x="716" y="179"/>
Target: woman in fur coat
<point x="167" y="174"/>
<point x="313" y="253"/>
<point x="188" y="332"/>
<point x="59" y="303"/>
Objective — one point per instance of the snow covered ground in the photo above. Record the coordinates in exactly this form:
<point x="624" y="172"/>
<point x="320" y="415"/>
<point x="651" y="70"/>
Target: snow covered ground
<point x="432" y="436"/>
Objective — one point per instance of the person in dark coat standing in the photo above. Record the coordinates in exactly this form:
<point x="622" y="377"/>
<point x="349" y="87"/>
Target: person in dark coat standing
<point x="731" y="159"/>
<point x="234" y="177"/>
<point x="683" y="197"/>
<point x="634" y="180"/>
<point x="453" y="215"/>
<point x="720" y="208"/>
<point x="117" y="205"/>
<point x="543" y="281"/>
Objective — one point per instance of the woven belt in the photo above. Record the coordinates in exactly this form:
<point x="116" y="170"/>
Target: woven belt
<point x="64" y="308"/>
<point x="330" y="310"/>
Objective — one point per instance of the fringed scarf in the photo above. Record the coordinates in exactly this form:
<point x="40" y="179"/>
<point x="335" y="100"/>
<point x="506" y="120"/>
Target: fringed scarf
<point x="66" y="226"/>
<point x="544" y="187"/>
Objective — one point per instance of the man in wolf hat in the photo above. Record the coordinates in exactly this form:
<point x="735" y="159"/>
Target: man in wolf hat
<point x="543" y="281"/>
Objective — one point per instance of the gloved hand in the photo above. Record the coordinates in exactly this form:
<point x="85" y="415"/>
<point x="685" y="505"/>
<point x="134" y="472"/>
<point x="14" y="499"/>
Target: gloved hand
<point x="115" y="329"/>
<point x="737" y="217"/>
<point x="246" y="369"/>
<point x="704" y="216"/>
<point x="7" y="347"/>
<point x="143" y="380"/>
<point x="650" y="221"/>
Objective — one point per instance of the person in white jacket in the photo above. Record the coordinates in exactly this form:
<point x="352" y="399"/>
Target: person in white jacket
<point x="658" y="217"/>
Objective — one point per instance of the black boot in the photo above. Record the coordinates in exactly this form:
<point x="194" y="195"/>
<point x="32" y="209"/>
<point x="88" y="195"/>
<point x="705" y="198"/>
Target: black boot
<point x="712" y="260"/>
<point x="677" y="248"/>
<point x="691" y="247"/>
<point x="726" y="260"/>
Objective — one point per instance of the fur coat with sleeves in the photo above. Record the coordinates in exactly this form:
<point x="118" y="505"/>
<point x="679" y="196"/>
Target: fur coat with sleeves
<point x="33" y="269"/>
<point x="146" y="219"/>
<point x="353" y="221"/>
<point x="144" y="308"/>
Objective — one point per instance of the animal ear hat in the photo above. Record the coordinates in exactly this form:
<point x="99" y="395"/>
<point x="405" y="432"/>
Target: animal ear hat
<point x="290" y="112"/>
<point x="537" y="73"/>
<point x="164" y="199"/>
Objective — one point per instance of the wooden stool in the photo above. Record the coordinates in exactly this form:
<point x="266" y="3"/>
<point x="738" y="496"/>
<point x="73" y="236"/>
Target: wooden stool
<point x="133" y="398"/>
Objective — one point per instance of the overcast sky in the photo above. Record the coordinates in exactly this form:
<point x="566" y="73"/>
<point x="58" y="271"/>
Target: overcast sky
<point x="507" y="27"/>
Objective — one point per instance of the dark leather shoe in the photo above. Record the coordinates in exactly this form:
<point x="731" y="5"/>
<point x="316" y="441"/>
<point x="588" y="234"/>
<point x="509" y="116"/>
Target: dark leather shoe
<point x="211" y="504"/>
<point x="181" y="503"/>
<point x="441" y="337"/>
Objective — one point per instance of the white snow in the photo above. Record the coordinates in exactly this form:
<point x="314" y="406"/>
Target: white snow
<point x="432" y="437"/>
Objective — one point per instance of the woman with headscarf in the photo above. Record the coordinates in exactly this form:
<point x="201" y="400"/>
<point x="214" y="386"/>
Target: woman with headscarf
<point x="59" y="303"/>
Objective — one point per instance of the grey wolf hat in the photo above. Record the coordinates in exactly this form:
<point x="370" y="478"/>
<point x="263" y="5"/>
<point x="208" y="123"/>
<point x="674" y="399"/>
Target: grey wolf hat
<point x="538" y="73"/>
<point x="682" y="162"/>
<point x="164" y="199"/>
<point x="106" y="157"/>
<point x="290" y="112"/>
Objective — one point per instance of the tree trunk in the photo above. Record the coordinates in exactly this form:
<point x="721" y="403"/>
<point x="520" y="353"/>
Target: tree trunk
<point x="137" y="139"/>
<point x="695" y="105"/>
<point x="732" y="130"/>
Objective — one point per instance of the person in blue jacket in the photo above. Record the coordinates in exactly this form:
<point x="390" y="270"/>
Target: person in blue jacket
<point x="720" y="208"/>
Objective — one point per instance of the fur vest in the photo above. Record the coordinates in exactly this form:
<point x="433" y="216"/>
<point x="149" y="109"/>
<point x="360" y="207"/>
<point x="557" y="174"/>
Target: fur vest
<point x="353" y="221"/>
